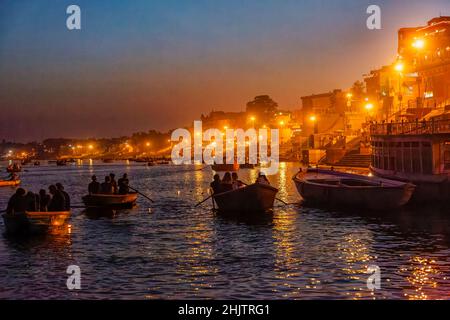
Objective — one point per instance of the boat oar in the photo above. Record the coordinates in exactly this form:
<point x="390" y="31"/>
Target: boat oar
<point x="141" y="193"/>
<point x="202" y="201"/>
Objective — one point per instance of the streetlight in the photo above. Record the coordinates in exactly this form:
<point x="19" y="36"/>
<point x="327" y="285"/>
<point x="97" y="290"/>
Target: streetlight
<point x="368" y="106"/>
<point x="418" y="44"/>
<point x="399" y="66"/>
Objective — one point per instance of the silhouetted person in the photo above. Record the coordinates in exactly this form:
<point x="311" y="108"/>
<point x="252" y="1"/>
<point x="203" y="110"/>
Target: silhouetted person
<point x="17" y="203"/>
<point x="262" y="179"/>
<point x="113" y="183"/>
<point x="60" y="188"/>
<point x="106" y="187"/>
<point x="30" y="199"/>
<point x="227" y="183"/>
<point x="44" y="200"/>
<point x="216" y="184"/>
<point x="123" y="184"/>
<point x="94" y="186"/>
<point x="235" y="182"/>
<point x="57" y="203"/>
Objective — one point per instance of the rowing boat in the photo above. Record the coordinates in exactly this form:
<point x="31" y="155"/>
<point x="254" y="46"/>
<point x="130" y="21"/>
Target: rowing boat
<point x="110" y="200"/>
<point x="7" y="183"/>
<point x="225" y="167"/>
<point x="338" y="189"/>
<point x="254" y="198"/>
<point x="34" y="222"/>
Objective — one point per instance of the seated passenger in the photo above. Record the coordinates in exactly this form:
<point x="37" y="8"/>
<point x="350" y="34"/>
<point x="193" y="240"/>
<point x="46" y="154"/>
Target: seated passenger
<point x="226" y="184"/>
<point x="236" y="183"/>
<point x="60" y="188"/>
<point x="113" y="183"/>
<point x="57" y="202"/>
<point x="17" y="203"/>
<point x="262" y="179"/>
<point x="215" y="184"/>
<point x="94" y="186"/>
<point x="44" y="200"/>
<point x="31" y="202"/>
<point x="106" y="187"/>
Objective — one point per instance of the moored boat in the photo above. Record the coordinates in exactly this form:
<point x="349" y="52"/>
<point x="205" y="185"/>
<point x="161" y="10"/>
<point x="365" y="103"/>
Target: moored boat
<point x="338" y="189"/>
<point x="254" y="198"/>
<point x="9" y="183"/>
<point x="34" y="222"/>
<point x="110" y="200"/>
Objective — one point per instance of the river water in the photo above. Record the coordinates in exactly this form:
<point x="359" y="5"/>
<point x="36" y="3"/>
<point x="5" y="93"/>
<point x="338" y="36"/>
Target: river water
<point x="171" y="250"/>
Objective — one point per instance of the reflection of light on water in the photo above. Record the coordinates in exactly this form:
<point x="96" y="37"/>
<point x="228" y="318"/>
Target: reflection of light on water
<point x="287" y="264"/>
<point x="282" y="177"/>
<point x="356" y="256"/>
<point x="423" y="275"/>
<point x="196" y="266"/>
<point x="91" y="162"/>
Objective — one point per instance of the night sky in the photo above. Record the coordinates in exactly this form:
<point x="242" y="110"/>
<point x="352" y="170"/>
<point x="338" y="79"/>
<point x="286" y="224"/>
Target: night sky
<point x="143" y="64"/>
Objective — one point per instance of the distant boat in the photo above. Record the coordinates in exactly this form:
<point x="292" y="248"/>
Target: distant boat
<point x="247" y="166"/>
<point x="108" y="160"/>
<point x="14" y="168"/>
<point x="34" y="222"/>
<point x="7" y="183"/>
<point x="110" y="200"/>
<point x="37" y="163"/>
<point x="254" y="198"/>
<point x="338" y="189"/>
<point x="225" y="167"/>
<point x="61" y="162"/>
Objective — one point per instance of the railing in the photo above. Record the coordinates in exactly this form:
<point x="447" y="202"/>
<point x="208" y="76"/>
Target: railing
<point x="411" y="128"/>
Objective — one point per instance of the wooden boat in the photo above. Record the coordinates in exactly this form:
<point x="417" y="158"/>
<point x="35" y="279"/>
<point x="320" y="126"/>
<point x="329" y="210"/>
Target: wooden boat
<point x="225" y="167"/>
<point x="247" y="166"/>
<point x="61" y="162"/>
<point x="34" y="222"/>
<point x="14" y="168"/>
<point x="108" y="160"/>
<point x="339" y="189"/>
<point x="9" y="183"/>
<point x="110" y="200"/>
<point x="254" y="198"/>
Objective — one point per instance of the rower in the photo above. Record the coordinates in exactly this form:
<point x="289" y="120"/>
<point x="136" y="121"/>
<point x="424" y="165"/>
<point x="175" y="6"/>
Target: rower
<point x="57" y="202"/>
<point x="60" y="188"/>
<point x="94" y="186"/>
<point x="17" y="203"/>
<point x="215" y="184"/>
<point x="123" y="184"/>
<point x="106" y="187"/>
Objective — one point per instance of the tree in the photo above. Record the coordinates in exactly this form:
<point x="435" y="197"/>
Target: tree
<point x="358" y="90"/>
<point x="262" y="106"/>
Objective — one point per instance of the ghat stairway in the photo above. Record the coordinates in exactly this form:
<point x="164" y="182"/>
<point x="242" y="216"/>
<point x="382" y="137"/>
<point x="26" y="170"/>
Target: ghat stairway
<point x="354" y="160"/>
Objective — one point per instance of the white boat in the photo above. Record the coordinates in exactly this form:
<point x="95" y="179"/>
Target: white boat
<point x="338" y="189"/>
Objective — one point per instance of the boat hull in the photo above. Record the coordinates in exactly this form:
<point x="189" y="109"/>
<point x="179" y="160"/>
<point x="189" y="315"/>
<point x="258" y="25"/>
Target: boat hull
<point x="373" y="197"/>
<point x="255" y="198"/>
<point x="110" y="201"/>
<point x="429" y="189"/>
<point x="35" y="222"/>
<point x="9" y="183"/>
<point x="225" y="167"/>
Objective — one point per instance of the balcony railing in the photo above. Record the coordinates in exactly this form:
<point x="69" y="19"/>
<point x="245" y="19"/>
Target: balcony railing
<point x="411" y="128"/>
